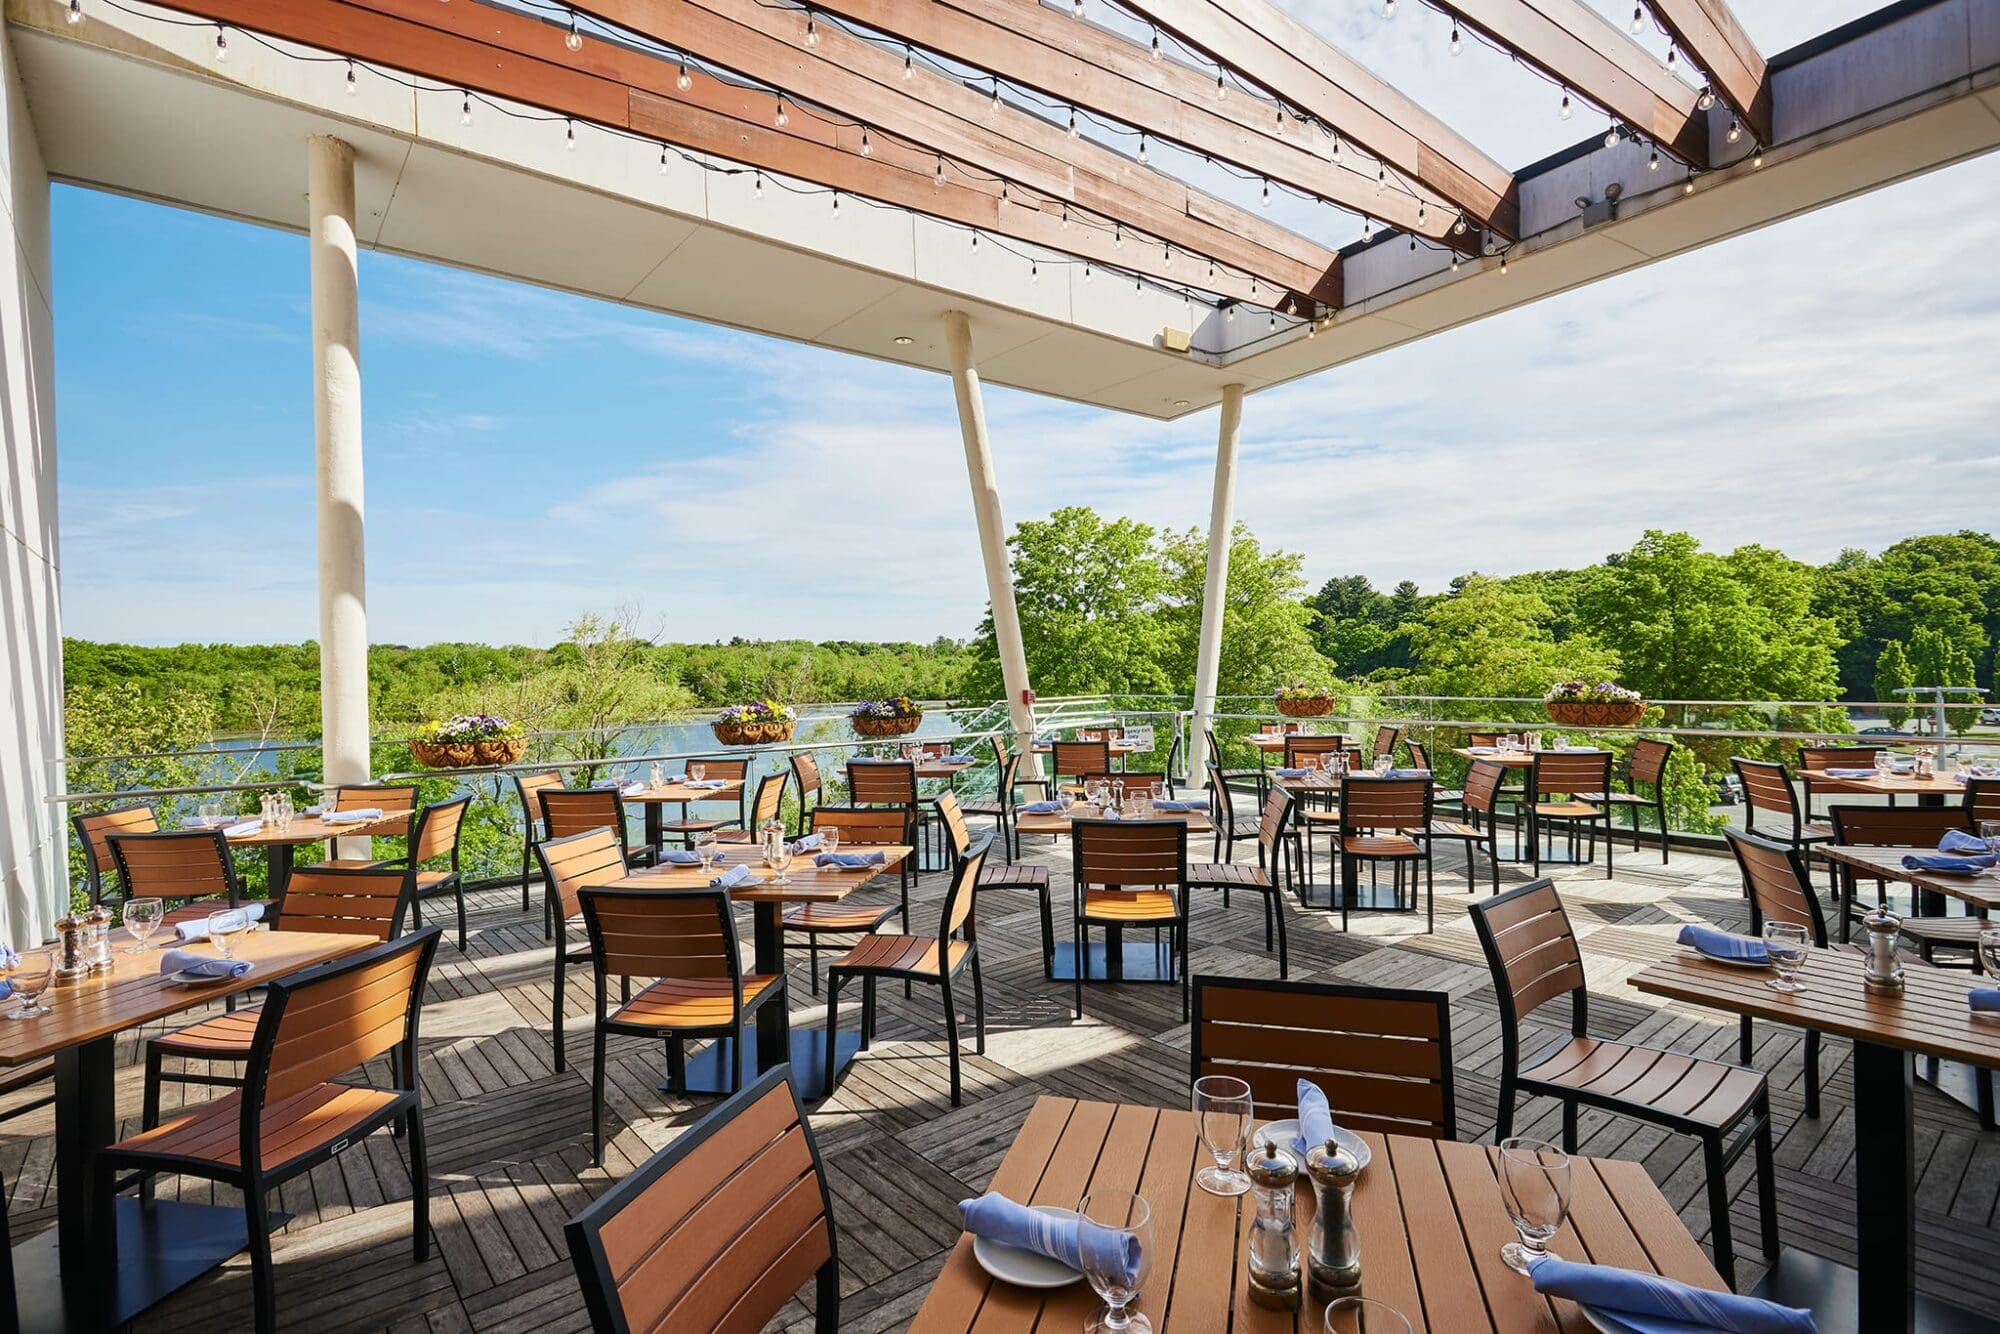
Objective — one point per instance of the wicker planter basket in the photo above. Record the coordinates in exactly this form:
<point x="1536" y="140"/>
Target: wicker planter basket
<point x="1306" y="708"/>
<point x="501" y="750"/>
<point x="881" y="727"/>
<point x="1588" y="713"/>
<point x="441" y="755"/>
<point x="753" y="734"/>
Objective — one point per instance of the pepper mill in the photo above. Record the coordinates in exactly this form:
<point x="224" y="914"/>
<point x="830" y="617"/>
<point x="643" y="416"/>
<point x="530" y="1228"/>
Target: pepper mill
<point x="1333" y="1254"/>
<point x="1884" y="974"/>
<point x="72" y="949"/>
<point x="1274" y="1246"/>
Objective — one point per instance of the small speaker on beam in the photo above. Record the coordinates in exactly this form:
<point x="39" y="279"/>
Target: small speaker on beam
<point x="1175" y="340"/>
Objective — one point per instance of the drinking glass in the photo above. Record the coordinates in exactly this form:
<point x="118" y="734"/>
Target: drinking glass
<point x="1222" y="1110"/>
<point x="697" y="772"/>
<point x="829" y="839"/>
<point x="1785" y="942"/>
<point x="1310" y="763"/>
<point x="142" y="919"/>
<point x="1989" y="952"/>
<point x="1382" y="763"/>
<point x="1065" y="799"/>
<point x="1989" y="830"/>
<point x="30" y="977"/>
<point x="781" y="857"/>
<point x="225" y="926"/>
<point x="1159" y="792"/>
<point x="210" y="812"/>
<point x="1534" y="1182"/>
<point x="656" y="776"/>
<point x="1112" y="1220"/>
<point x="704" y="848"/>
<point x="1364" y="1315"/>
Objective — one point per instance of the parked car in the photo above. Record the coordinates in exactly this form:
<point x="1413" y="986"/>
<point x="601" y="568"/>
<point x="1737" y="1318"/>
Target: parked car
<point x="1729" y="790"/>
<point x="1882" y="731"/>
<point x="1989" y="717"/>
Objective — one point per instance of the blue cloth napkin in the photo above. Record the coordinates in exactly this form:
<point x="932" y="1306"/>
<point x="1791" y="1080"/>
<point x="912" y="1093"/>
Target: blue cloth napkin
<point x="1315" y="1120"/>
<point x="357" y="815"/>
<point x="1948" y="861"/>
<point x="1168" y="804"/>
<point x="1647" y="1302"/>
<point x="810" y="843"/>
<point x="958" y="759"/>
<point x="681" y="857"/>
<point x="1957" y="840"/>
<point x="851" y="860"/>
<point x="1289" y="773"/>
<point x="1723" y="945"/>
<point x="709" y="784"/>
<point x="202" y="965"/>
<point x="735" y="875"/>
<point x="1041" y="808"/>
<point x="1408" y="773"/>
<point x="1000" y="1219"/>
<point x="1850" y="773"/>
<point x="187" y="933"/>
<point x="1983" y="998"/>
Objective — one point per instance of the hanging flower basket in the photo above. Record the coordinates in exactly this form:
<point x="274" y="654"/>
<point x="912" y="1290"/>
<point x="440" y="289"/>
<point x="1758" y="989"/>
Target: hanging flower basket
<point x="758" y="723"/>
<point x="1581" y="704"/>
<point x="501" y="750"/>
<point x="883" y="727"/>
<point x="466" y="740"/>
<point x="896" y="716"/>
<point x="1305" y="701"/>
<point x="440" y="755"/>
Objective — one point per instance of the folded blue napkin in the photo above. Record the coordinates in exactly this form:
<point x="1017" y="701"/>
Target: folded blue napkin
<point x="1315" y="1120"/>
<point x="851" y="860"/>
<point x="1041" y="808"/>
<point x="1000" y="1219"/>
<point x="1947" y="861"/>
<point x="187" y="933"/>
<point x="213" y="822"/>
<point x="1957" y="840"/>
<point x="1168" y="804"/>
<point x="356" y="815"/>
<point x="958" y="759"/>
<point x="1109" y="813"/>
<point x="1850" y="773"/>
<point x="1485" y="750"/>
<point x="681" y="857"/>
<point x="810" y="843"/>
<point x="1983" y="998"/>
<point x="709" y="784"/>
<point x="1407" y="773"/>
<point x="1644" y="1303"/>
<point x="735" y="875"/>
<point x="1289" y="773"/>
<point x="1899" y="766"/>
<point x="202" y="965"/>
<point x="1723" y="945"/>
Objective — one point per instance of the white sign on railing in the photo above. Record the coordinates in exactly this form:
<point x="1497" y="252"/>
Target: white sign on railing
<point x="1140" y="735"/>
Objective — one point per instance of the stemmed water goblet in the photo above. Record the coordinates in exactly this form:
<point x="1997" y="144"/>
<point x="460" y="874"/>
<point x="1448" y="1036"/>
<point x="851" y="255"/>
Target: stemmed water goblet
<point x="1535" y="1185"/>
<point x="1786" y="944"/>
<point x="705" y="851"/>
<point x="1222" y="1109"/>
<point x="29" y="975"/>
<point x="142" y="919"/>
<point x="1115" y="1238"/>
<point x="225" y="926"/>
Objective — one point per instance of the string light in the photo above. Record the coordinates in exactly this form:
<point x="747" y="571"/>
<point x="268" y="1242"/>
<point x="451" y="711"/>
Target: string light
<point x="1072" y="122"/>
<point x="221" y="43"/>
<point x="663" y="169"/>
<point x="1221" y="89"/>
<point x="909" y="63"/>
<point x="1077" y="9"/>
<point x="836" y="210"/>
<point x="996" y="96"/>
<point x="1166" y="256"/>
<point x="1757" y="158"/>
<point x="1454" y="261"/>
<point x="465" y="110"/>
<point x="1267" y="192"/>
<point x="1735" y="130"/>
<point x="1274" y="321"/>
<point x="1157" y="52"/>
<point x="1420" y="213"/>
<point x="1413" y="245"/>
<point x="812" y="29"/>
<point x="1336" y="146"/>
<point x="75" y="14"/>
<point x="1086" y="270"/>
<point x="1117" y="237"/>
<point x="975" y="238"/>
<point x="867" y="146"/>
<point x="1143" y="159"/>
<point x="1458" y="228"/>
<point x="1707" y="99"/>
<point x="1503" y="261"/>
<point x="1034" y="272"/>
<point x="1388" y="9"/>
<point x="352" y="86"/>
<point x="940" y="171"/>
<point x="1367" y="229"/>
<point x="1638" y="19"/>
<point x="1687" y="187"/>
<point x="1566" y="110"/>
<point x="569" y="136"/>
<point x="1611" y="137"/>
<point x="757" y="185"/>
<point x="1381" y="177"/>
<point x="1653" y="162"/>
<point x="1457" y="42"/>
<point x="1065" y="217"/>
<point x="684" y="81"/>
<point x="573" y="39"/>
<point x="1673" y="54"/>
<point x="1229" y="313"/>
<point x="783" y="118"/>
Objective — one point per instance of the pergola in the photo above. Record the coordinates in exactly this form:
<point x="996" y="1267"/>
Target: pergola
<point x="1000" y="212"/>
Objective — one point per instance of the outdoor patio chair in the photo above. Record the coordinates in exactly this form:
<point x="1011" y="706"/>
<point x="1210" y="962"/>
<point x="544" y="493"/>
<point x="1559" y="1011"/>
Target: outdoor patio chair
<point x="291" y="1115"/>
<point x="890" y="784"/>
<point x="1297" y="747"/>
<point x="846" y="918"/>
<point x="528" y="787"/>
<point x="180" y="865"/>
<point x="1579" y="778"/>
<point x="1266" y="879"/>
<point x="1817" y="759"/>
<point x="434" y="838"/>
<point x="1479" y="825"/>
<point x="1533" y="957"/>
<point x="1982" y="801"/>
<point x="1375" y="815"/>
<point x="1002" y="876"/>
<point x="768" y="805"/>
<point x="93" y="835"/>
<point x="686" y="940"/>
<point x="718" y="1229"/>
<point x="1070" y="759"/>
<point x="575" y="810"/>
<point x="805" y="773"/>
<point x="1768" y="789"/>
<point x="1001" y="808"/>
<point x="1386" y="737"/>
<point x="569" y="865"/>
<point x="1128" y="875"/>
<point x="1646" y="765"/>
<point x="872" y="827"/>
<point x="1420" y="758"/>
<point x="905" y="958"/>
<point x="1382" y="1055"/>
<point x="1780" y="889"/>
<point x="1249" y="781"/>
<point x="729" y="771"/>
<point x="1897" y="827"/>
<point x="344" y="900"/>
<point x="389" y="798"/>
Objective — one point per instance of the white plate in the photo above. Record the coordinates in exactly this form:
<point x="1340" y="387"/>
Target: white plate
<point x="1728" y="963"/>
<point x="1282" y="1133"/>
<point x="1023" y="1268"/>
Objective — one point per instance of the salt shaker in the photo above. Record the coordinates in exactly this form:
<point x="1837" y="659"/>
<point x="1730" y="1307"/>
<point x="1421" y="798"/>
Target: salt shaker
<point x="1883" y="975"/>
<point x="1333" y="1252"/>
<point x="97" y="939"/>
<point x="1274" y="1244"/>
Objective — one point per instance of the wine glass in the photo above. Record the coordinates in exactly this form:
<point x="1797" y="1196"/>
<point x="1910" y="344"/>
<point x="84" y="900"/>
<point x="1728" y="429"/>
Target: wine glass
<point x="829" y="839"/>
<point x="704" y="848"/>
<point x="142" y="919"/>
<point x="1785" y="942"/>
<point x="210" y="812"/>
<point x="1534" y="1183"/>
<point x="1222" y="1109"/>
<point x="697" y="771"/>
<point x="225" y="926"/>
<point x="1989" y="952"/>
<point x="30" y="975"/>
<point x="1989" y="830"/>
<point x="780" y="857"/>
<point x="1364" y="1315"/>
<point x="1159" y="792"/>
<point x="1115" y="1238"/>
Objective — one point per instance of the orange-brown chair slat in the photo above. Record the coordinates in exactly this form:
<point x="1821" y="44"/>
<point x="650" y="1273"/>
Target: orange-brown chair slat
<point x="866" y="828"/>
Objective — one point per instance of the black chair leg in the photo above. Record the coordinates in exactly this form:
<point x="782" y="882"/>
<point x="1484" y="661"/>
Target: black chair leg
<point x="257" y="1214"/>
<point x="833" y="981"/>
<point x="1743" y="1039"/>
<point x="1569" y="1125"/>
<point x="557" y="1031"/>
<point x="458" y="888"/>
<point x="950" y="1034"/>
<point x="1504" y="1122"/>
<point x="1812" y="1073"/>
<point x="978" y="1007"/>
<point x="597" y="1098"/>
<point x="1718" y="1208"/>
<point x="1767" y="1181"/>
<point x="420" y="1187"/>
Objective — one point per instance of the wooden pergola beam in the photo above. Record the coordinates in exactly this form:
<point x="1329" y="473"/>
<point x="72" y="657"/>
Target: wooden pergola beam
<point x="863" y="82"/>
<point x="513" y="56"/>
<point x="1714" y="40"/>
<point x="1579" y="48"/>
<point x="1271" y="48"/>
<point x="1085" y="66"/>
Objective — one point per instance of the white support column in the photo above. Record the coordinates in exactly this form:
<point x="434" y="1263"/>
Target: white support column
<point x="1215" y="593"/>
<point x="343" y="587"/>
<point x="992" y="528"/>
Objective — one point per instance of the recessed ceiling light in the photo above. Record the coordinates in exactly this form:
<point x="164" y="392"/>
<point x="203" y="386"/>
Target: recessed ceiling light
<point x="904" y="340"/>
<point x="1180" y="402"/>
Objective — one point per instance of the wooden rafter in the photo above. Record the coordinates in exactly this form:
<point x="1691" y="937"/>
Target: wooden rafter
<point x="873" y="86"/>
<point x="520" y="58"/>
<point x="1083" y="65"/>
<point x="1579" y="48"/>
<point x="1715" y="41"/>
<point x="1271" y="48"/>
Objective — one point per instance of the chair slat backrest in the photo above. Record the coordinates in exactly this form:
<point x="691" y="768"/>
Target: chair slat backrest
<point x="1767" y="787"/>
<point x="718" y="1230"/>
<point x="1778" y="885"/>
<point x="805" y="771"/>
<point x="1368" y="802"/>
<point x="1386" y="738"/>
<point x="1982" y="801"/>
<point x="770" y="799"/>
<point x="1812" y="758"/>
<point x="1896" y="826"/>
<point x="1532" y="954"/>
<point x="529" y="787"/>
<point x="437" y="830"/>
<point x="1482" y="785"/>
<point x="882" y="782"/>
<point x="1001" y="751"/>
<point x="1271" y="825"/>
<point x="959" y="899"/>
<point x="862" y="827"/>
<point x="1569" y="772"/>
<point x="1276" y="727"/>
<point x="1068" y="758"/>
<point x="1129" y="854"/>
<point x="1649" y="760"/>
<point x="389" y="798"/>
<point x="1134" y="781"/>
<point x="1382" y="1055"/>
<point x="94" y="831"/>
<point x="954" y="825"/>
<point x="1297" y="747"/>
<point x="663" y="933"/>
<point x="1482" y="738"/>
<point x="569" y="810"/>
<point x="345" y="900"/>
<point x="573" y="863"/>
<point x="184" y="864"/>
<point x="1420" y="755"/>
<point x="326" y="1021"/>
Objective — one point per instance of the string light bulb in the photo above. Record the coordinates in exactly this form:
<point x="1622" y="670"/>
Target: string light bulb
<point x="1673" y="57"/>
<point x="1454" y="261"/>
<point x="1086" y="270"/>
<point x="1420" y="213"/>
<point x="465" y="110"/>
<point x="1687" y="187"/>
<point x="1757" y="158"/>
<point x="663" y="159"/>
<point x="684" y="80"/>
<point x="1388" y="9"/>
<point x="74" y="15"/>
<point x="353" y="87"/>
<point x="1034" y="272"/>
<point x="836" y="206"/>
<point x="1567" y="110"/>
<point x="1611" y="137"/>
<point x="1638" y="19"/>
<point x="757" y="185"/>
<point x="1158" y="54"/>
<point x="1457" y="42"/>
<point x="940" y="171"/>
<point x="1367" y="229"/>
<point x="1336" y="146"/>
<point x="1221" y="89"/>
<point x="1065" y="217"/>
<point x="1274" y="321"/>
<point x="909" y="63"/>
<point x="975" y="238"/>
<point x="221" y="43"/>
<point x="996" y="96"/>
<point x="1143" y="159"/>
<point x="573" y="39"/>
<point x="1413" y="245"/>
<point x="783" y="118"/>
<point x="1503" y="261"/>
<point x="1117" y="236"/>
<point x="1653" y="162"/>
<point x="1458" y="227"/>
<point x="1707" y="99"/>
<point x="867" y="145"/>
<point x="569" y="136"/>
<point x="1381" y="177"/>
<point x="1735" y="130"/>
<point x="812" y="29"/>
<point x="1267" y="192"/>
<point x="1072" y="122"/>
<point x="1077" y="8"/>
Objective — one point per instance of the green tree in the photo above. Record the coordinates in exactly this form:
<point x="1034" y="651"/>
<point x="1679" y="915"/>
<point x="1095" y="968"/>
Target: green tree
<point x="1266" y="630"/>
<point x="1893" y="675"/>
<point x="1489" y="640"/>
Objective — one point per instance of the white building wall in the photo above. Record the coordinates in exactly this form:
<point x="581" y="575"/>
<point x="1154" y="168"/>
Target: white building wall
<point x="32" y="845"/>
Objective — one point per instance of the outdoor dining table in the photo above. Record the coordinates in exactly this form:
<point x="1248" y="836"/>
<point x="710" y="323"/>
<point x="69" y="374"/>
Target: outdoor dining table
<point x="61" y="1275"/>
<point x="1979" y="891"/>
<point x="279" y="844"/>
<point x="1119" y="749"/>
<point x="708" y="1070"/>
<point x="943" y="768"/>
<point x="1933" y="791"/>
<point x="1931" y="1018"/>
<point x="1117" y="959"/>
<point x="655" y="800"/>
<point x="1428" y="1215"/>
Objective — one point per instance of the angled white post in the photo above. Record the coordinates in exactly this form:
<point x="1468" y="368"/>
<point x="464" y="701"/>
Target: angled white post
<point x="992" y="529"/>
<point x="336" y="343"/>
<point x="1215" y="592"/>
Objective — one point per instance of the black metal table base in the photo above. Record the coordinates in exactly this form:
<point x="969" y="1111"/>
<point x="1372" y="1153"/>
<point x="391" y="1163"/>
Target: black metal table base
<point x="1135" y="961"/>
<point x="708" y="1069"/>
<point x="1831" y="1290"/>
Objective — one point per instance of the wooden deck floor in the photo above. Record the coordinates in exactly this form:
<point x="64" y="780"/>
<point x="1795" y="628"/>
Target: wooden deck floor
<point x="510" y="1135"/>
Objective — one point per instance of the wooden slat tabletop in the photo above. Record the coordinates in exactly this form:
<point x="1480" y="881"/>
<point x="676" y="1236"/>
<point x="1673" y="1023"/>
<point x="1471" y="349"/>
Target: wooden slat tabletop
<point x="680" y="793"/>
<point x="1931" y="1017"/>
<point x="311" y="829"/>
<point x="134" y="992"/>
<point x="1428" y="1214"/>
<point x="1117" y="747"/>
<point x="1056" y="823"/>
<point x="1981" y="890"/>
<point x="1508" y="759"/>
<point x="944" y="769"/>
<point x="1885" y="785"/>
<point x="806" y="883"/>
<point x="1274" y="743"/>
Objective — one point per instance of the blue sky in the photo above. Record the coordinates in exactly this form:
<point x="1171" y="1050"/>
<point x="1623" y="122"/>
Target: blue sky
<point x="532" y="455"/>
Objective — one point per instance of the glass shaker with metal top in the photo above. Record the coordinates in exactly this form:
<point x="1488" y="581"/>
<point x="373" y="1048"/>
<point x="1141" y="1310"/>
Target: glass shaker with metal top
<point x="1273" y="1251"/>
